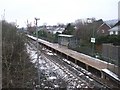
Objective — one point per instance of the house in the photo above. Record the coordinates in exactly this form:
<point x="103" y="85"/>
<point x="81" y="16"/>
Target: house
<point x="115" y="30"/>
<point x="67" y="40"/>
<point x="58" y="29"/>
<point x="54" y="29"/>
<point x="101" y="28"/>
<point x="98" y="28"/>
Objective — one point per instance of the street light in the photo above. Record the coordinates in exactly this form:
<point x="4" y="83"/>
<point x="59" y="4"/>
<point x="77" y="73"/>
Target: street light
<point x="36" y="22"/>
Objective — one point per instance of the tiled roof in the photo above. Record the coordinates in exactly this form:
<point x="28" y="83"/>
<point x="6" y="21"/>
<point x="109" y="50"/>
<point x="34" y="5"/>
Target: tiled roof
<point x="116" y="28"/>
<point x="117" y="24"/>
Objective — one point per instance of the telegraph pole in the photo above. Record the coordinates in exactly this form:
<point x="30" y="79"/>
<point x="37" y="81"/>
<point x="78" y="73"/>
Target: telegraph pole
<point x="36" y="22"/>
<point x="3" y="15"/>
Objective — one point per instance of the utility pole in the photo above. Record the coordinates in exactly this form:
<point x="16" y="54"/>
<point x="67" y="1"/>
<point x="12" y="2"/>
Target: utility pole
<point x="3" y="15"/>
<point x="36" y="22"/>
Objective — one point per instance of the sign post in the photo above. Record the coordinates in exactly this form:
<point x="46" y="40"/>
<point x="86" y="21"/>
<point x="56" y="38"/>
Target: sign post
<point x="93" y="41"/>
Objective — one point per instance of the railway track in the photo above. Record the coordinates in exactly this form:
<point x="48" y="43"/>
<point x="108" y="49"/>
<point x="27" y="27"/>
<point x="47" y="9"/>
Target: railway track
<point x="78" y="73"/>
<point x="76" y="76"/>
<point x="70" y="75"/>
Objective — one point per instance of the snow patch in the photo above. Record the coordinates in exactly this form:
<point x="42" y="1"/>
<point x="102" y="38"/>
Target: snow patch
<point x="52" y="78"/>
<point x="111" y="74"/>
<point x="66" y="60"/>
<point x="49" y="53"/>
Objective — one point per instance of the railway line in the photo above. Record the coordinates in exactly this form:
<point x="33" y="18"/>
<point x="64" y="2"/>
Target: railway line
<point x="74" y="76"/>
<point x="79" y="74"/>
<point x="97" y="67"/>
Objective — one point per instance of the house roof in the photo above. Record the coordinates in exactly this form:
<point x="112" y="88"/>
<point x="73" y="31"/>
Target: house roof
<point x="64" y="35"/>
<point x="96" y="24"/>
<point x="116" y="28"/>
<point x="117" y="24"/>
<point x="102" y="25"/>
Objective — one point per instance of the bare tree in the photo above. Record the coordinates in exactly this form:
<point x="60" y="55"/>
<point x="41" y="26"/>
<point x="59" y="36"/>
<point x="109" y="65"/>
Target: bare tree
<point x="16" y="66"/>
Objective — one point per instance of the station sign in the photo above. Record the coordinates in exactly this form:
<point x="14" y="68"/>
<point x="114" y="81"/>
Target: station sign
<point x="93" y="40"/>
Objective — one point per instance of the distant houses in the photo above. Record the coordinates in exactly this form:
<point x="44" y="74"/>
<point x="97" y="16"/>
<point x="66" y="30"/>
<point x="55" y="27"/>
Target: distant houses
<point x="58" y="29"/>
<point x="52" y="29"/>
<point x="22" y="30"/>
<point x="99" y="27"/>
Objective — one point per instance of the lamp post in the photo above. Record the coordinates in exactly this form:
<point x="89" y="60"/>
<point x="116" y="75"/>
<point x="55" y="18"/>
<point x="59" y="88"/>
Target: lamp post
<point x="36" y="22"/>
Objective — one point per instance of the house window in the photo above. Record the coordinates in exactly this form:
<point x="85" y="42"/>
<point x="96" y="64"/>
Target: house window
<point x="116" y="33"/>
<point x="103" y="31"/>
<point x="111" y="32"/>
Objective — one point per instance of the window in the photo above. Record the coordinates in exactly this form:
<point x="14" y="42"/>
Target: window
<point x="103" y="31"/>
<point x="116" y="33"/>
<point x="111" y="32"/>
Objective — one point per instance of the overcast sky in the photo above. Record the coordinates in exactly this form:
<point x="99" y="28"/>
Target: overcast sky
<point x="57" y="11"/>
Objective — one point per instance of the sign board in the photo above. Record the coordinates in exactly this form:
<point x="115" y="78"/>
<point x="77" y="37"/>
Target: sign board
<point x="93" y="40"/>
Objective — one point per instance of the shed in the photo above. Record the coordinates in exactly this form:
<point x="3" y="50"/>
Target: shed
<point x="67" y="40"/>
<point x="64" y="39"/>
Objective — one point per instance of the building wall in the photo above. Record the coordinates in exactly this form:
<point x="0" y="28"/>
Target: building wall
<point x="70" y="42"/>
<point x="73" y="43"/>
<point x="114" y="32"/>
<point x="63" y="41"/>
<point x="103" y="30"/>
